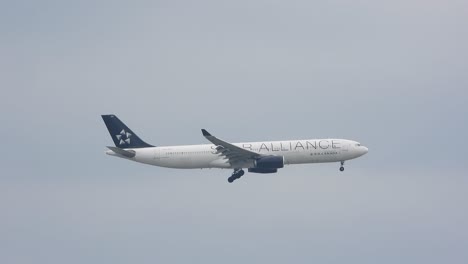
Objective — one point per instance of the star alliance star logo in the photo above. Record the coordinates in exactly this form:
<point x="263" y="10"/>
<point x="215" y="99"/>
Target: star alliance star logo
<point x="123" y="137"/>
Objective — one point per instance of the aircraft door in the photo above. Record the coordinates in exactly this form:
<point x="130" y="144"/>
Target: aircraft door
<point x="157" y="155"/>
<point x="345" y="147"/>
<point x="163" y="153"/>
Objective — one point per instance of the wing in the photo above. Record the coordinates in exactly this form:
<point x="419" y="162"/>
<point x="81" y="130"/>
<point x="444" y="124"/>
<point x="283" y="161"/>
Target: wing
<point x="234" y="154"/>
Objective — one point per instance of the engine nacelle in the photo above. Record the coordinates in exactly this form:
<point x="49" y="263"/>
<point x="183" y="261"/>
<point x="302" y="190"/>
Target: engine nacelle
<point x="269" y="162"/>
<point x="257" y="170"/>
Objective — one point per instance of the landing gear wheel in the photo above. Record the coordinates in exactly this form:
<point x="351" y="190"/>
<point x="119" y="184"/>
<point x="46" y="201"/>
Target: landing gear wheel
<point x="342" y="164"/>
<point x="236" y="175"/>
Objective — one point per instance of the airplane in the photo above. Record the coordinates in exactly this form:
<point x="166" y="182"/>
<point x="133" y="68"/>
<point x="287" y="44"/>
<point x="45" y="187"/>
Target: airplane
<point x="256" y="157"/>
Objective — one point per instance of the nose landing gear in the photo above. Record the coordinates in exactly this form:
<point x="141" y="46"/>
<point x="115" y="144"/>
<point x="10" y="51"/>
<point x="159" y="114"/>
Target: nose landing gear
<point x="342" y="164"/>
<point x="236" y="175"/>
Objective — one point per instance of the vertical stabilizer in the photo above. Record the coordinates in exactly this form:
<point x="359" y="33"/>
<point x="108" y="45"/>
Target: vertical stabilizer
<point x="123" y="136"/>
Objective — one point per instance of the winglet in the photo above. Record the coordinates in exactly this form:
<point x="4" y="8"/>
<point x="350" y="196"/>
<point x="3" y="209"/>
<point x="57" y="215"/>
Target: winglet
<point x="205" y="133"/>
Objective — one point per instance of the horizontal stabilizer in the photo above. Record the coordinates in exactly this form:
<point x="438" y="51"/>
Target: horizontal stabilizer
<point x="125" y="153"/>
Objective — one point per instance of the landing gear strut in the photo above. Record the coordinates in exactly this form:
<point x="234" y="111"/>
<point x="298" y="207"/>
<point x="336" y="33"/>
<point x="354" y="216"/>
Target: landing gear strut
<point x="342" y="164"/>
<point x="236" y="175"/>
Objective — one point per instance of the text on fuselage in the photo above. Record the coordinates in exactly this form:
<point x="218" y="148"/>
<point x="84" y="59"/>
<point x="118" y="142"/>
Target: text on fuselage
<point x="295" y="145"/>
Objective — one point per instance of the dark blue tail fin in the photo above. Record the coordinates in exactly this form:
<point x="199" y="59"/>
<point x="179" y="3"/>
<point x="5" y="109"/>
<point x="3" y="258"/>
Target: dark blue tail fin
<point x="122" y="135"/>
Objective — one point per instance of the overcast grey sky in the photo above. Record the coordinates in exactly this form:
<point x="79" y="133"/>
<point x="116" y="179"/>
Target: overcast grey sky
<point x="392" y="75"/>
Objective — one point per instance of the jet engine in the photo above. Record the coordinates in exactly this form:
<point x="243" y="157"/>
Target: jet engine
<point x="269" y="162"/>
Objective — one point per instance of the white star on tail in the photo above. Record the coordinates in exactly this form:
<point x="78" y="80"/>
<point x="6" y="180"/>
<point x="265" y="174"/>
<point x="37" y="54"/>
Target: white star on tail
<point x="123" y="137"/>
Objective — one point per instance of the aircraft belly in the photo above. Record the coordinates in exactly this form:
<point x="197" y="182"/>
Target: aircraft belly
<point x="305" y="157"/>
<point x="190" y="162"/>
<point x="297" y="158"/>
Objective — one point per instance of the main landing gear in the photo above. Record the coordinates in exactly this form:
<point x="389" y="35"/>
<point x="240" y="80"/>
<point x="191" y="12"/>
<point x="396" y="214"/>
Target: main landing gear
<point x="342" y="164"/>
<point x="236" y="175"/>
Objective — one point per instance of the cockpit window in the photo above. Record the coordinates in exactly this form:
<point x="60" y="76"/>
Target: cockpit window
<point x="358" y="145"/>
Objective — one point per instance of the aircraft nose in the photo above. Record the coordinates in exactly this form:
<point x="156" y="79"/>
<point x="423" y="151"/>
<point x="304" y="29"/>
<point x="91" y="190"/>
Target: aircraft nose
<point x="365" y="150"/>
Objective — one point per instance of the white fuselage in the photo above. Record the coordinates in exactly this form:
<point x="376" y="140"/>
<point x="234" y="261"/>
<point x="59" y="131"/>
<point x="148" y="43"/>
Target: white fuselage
<point x="206" y="156"/>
